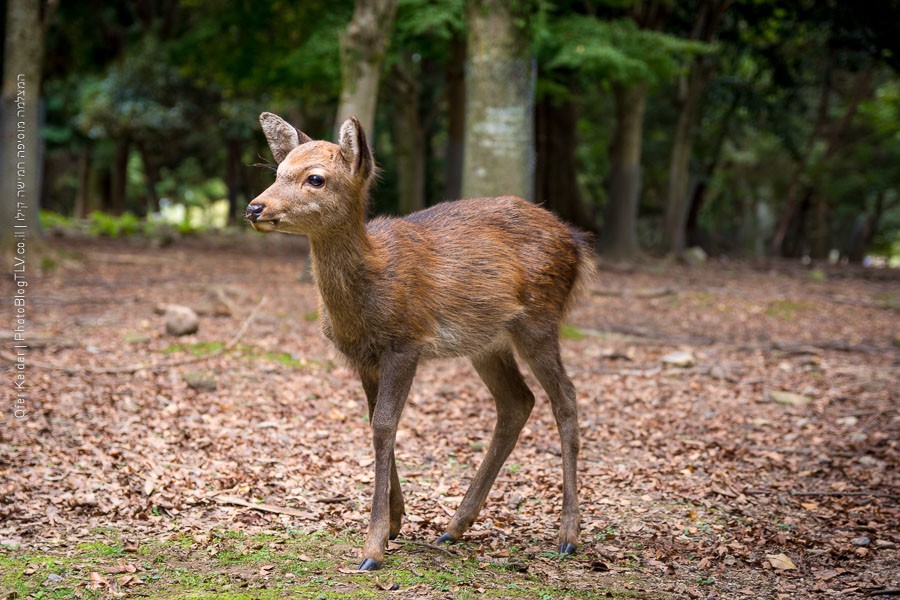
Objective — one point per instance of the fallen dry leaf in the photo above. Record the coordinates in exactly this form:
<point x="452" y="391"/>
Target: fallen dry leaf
<point x="781" y="562"/>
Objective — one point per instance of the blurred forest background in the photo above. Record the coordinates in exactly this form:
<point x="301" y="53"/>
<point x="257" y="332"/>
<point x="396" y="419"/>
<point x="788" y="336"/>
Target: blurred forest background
<point x="747" y="127"/>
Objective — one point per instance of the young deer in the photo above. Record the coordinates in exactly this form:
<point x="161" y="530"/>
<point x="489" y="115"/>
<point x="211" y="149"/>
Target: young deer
<point x="475" y="278"/>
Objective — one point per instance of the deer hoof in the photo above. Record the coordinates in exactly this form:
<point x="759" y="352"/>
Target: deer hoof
<point x="567" y="548"/>
<point x="445" y="538"/>
<point x="369" y="565"/>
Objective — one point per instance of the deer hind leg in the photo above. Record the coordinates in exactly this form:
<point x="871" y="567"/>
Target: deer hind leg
<point x="370" y="385"/>
<point x="514" y="402"/>
<point x="541" y="352"/>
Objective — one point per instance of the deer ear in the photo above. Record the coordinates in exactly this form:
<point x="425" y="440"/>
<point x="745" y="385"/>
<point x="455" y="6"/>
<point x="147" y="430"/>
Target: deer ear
<point x="354" y="148"/>
<point x="281" y="135"/>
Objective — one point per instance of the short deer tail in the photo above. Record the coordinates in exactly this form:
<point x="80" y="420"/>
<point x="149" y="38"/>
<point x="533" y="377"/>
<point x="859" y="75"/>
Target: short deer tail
<point x="587" y="264"/>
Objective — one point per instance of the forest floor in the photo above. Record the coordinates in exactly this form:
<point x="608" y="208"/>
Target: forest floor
<point x="236" y="462"/>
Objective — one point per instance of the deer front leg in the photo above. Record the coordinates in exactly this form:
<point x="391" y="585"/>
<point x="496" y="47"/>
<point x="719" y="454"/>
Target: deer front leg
<point x="370" y="385"/>
<point x="397" y="371"/>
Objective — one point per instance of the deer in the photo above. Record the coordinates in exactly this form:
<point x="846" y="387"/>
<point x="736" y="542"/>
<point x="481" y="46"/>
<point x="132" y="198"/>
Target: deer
<point x="482" y="278"/>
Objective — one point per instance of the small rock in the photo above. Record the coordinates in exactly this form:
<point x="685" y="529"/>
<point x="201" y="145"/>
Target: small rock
<point x="679" y="359"/>
<point x="694" y="256"/>
<point x="200" y="381"/>
<point x="789" y="398"/>
<point x="861" y="541"/>
<point x="181" y="320"/>
<point x="53" y="578"/>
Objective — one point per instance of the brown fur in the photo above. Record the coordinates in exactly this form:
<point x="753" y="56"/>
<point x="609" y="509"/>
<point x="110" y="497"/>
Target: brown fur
<point x="472" y="278"/>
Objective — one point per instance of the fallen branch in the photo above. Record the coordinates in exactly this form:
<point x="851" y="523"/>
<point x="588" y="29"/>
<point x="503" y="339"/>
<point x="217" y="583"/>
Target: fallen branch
<point x="148" y="366"/>
<point x="263" y="507"/>
<point x="446" y="551"/>
<point x="802" y="494"/>
<point x="643" y="294"/>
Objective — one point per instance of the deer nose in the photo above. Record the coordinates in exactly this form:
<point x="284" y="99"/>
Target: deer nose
<point x="254" y="211"/>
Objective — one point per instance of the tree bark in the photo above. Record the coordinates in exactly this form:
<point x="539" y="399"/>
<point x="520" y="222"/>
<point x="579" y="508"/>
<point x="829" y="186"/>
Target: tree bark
<point x="363" y="45"/>
<point x="82" y="194"/>
<point x="678" y="200"/>
<point x="20" y="154"/>
<point x="233" y="180"/>
<point x="456" y="119"/>
<point x="556" y="178"/>
<point x="620" y="222"/>
<point x="409" y="139"/>
<point x="118" y="183"/>
<point x="500" y="76"/>
<point x="151" y="173"/>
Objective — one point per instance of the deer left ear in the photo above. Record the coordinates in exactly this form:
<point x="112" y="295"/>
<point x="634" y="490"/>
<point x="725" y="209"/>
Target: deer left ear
<point x="354" y="148"/>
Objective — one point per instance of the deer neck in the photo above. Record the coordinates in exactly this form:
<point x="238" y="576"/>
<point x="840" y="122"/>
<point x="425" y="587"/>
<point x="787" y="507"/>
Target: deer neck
<point x="342" y="263"/>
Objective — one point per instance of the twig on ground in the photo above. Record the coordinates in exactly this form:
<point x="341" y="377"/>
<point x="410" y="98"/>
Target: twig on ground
<point x="643" y="294"/>
<point x="446" y="551"/>
<point x="263" y="507"/>
<point x="801" y="494"/>
<point x="148" y="366"/>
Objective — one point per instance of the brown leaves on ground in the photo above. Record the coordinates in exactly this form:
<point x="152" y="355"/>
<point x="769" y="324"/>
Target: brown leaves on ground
<point x="709" y="477"/>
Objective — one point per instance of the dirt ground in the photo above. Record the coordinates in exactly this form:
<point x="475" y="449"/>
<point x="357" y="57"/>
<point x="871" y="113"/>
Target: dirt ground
<point x="759" y="463"/>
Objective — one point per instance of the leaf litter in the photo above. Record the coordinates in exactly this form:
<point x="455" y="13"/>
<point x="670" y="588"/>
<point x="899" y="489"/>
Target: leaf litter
<point x="699" y="480"/>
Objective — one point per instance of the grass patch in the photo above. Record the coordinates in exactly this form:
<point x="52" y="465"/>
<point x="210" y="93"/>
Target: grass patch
<point x="785" y="309"/>
<point x="285" y="358"/>
<point x="292" y="563"/>
<point x="570" y="332"/>
<point x="198" y="349"/>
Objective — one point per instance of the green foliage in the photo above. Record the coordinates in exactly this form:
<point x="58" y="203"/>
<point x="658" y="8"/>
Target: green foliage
<point x="107" y="225"/>
<point x="619" y="50"/>
<point x="54" y="220"/>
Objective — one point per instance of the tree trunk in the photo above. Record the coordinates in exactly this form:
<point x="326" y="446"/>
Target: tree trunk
<point x="409" y="139"/>
<point x="118" y="184"/>
<point x="20" y="98"/>
<point x="500" y="77"/>
<point x="678" y="200"/>
<point x="456" y="119"/>
<point x="363" y="46"/>
<point x="151" y="173"/>
<point x="556" y="177"/>
<point x="620" y="223"/>
<point x="83" y="193"/>
<point x="233" y="180"/>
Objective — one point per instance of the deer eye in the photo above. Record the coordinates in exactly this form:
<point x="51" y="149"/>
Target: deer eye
<point x="315" y="180"/>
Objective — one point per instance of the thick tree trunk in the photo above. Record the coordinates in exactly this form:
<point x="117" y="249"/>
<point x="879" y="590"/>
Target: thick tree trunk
<point x="456" y="119"/>
<point x="409" y="140"/>
<point x="118" y="183"/>
<point x="20" y="148"/>
<point x="556" y="178"/>
<point x="620" y="223"/>
<point x="500" y="78"/>
<point x="363" y="46"/>
<point x="678" y="199"/>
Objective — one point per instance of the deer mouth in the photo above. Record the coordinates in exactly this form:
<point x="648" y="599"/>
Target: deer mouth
<point x="265" y="225"/>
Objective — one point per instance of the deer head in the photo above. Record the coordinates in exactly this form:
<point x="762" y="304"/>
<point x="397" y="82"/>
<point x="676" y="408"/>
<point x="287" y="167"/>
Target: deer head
<point x="319" y="185"/>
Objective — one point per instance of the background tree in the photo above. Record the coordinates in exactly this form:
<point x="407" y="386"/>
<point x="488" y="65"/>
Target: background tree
<point x="498" y="157"/>
<point x="363" y="46"/>
<point x="23" y="52"/>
